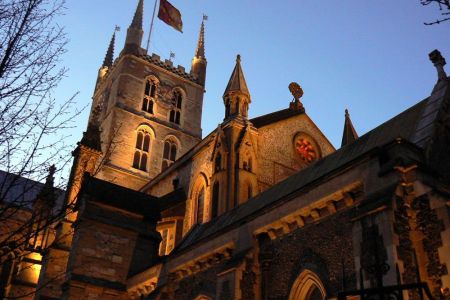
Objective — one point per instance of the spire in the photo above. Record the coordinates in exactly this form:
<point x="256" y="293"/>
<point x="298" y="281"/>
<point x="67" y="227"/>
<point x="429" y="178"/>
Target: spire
<point x="138" y="16"/>
<point x="349" y="135"/>
<point x="237" y="81"/>
<point x="135" y="32"/>
<point x="109" y="57"/>
<point x="200" y="51"/>
<point x="198" y="67"/>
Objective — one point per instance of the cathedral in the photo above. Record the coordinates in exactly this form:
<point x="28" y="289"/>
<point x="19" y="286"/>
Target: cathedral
<point x="259" y="208"/>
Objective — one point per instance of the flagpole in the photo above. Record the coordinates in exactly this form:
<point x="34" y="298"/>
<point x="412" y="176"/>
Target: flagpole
<point x="151" y="27"/>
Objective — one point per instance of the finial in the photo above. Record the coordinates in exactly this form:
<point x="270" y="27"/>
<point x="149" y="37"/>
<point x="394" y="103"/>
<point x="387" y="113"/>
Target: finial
<point x="439" y="62"/>
<point x="346" y="113"/>
<point x="297" y="93"/>
<point x="238" y="58"/>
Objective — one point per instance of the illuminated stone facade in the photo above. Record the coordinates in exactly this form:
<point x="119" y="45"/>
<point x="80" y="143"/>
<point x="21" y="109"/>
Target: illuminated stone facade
<point x="260" y="208"/>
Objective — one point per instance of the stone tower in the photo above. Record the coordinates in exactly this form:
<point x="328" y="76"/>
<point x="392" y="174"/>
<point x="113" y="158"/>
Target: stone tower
<point x="150" y="110"/>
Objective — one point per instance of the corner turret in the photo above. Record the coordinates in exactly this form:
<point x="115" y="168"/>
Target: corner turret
<point x="199" y="62"/>
<point x="236" y="96"/>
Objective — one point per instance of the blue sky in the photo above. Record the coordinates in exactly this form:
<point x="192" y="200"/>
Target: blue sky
<point x="368" y="56"/>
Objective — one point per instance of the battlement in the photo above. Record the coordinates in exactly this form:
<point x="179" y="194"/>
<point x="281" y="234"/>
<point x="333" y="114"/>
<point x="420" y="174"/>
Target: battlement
<point x="168" y="65"/>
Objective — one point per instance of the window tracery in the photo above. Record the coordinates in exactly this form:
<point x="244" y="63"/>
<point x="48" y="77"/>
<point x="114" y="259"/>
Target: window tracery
<point x="306" y="148"/>
<point x="149" y="95"/>
<point x="142" y="149"/>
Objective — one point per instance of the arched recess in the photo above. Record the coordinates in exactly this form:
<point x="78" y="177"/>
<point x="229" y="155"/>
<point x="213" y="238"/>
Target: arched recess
<point x="199" y="200"/>
<point x="307" y="286"/>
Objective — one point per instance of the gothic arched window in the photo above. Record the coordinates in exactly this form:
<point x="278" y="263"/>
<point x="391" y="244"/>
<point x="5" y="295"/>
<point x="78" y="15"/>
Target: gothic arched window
<point x="175" y="112"/>
<point x="142" y="150"/>
<point x="149" y="95"/>
<point x="200" y="205"/>
<point x="169" y="154"/>
<point x="215" y="200"/>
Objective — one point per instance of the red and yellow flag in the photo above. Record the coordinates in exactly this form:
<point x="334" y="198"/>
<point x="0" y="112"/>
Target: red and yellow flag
<point x="170" y="15"/>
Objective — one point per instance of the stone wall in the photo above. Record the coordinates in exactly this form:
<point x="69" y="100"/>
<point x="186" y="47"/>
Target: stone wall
<point x="277" y="158"/>
<point x="322" y="248"/>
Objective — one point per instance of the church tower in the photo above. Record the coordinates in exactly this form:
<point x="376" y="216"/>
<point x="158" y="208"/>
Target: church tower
<point x="235" y="152"/>
<point x="150" y="110"/>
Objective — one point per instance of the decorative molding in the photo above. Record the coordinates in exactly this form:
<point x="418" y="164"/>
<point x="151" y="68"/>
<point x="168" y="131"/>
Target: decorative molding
<point x="203" y="262"/>
<point x="311" y="213"/>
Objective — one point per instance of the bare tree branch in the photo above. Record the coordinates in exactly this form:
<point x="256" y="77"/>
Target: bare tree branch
<point x="444" y="8"/>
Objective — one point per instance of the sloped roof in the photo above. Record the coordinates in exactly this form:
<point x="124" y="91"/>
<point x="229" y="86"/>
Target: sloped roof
<point x="402" y="125"/>
<point x="275" y="117"/>
<point x="22" y="192"/>
<point x="120" y="197"/>
<point x="237" y="80"/>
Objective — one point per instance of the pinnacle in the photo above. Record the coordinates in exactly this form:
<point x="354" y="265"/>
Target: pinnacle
<point x="138" y="16"/>
<point x="200" y="51"/>
<point x="237" y="81"/>
<point x="349" y="135"/>
<point x="109" y="57"/>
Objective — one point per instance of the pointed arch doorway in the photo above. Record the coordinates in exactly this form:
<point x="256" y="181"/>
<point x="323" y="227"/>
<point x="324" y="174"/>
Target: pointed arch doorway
<point x="307" y="286"/>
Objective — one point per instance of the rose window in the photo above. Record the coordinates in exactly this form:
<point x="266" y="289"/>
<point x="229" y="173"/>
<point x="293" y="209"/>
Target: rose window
<point x="305" y="148"/>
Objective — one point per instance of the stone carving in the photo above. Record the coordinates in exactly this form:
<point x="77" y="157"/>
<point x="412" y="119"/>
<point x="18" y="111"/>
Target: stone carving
<point x="431" y="227"/>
